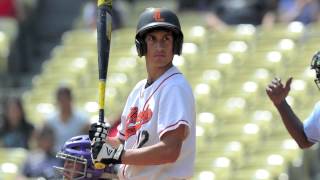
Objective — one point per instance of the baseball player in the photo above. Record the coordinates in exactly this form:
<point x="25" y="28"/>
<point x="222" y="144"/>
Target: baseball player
<point x="156" y="136"/>
<point x="77" y="162"/>
<point x="307" y="133"/>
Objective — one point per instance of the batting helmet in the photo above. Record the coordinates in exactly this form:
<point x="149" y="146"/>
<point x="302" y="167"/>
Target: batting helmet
<point x="315" y="64"/>
<point x="158" y="18"/>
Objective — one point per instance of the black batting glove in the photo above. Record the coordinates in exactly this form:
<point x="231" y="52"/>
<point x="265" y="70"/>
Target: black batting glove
<point x="98" y="131"/>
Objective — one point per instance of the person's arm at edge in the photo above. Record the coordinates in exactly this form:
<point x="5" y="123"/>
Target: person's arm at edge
<point x="293" y="125"/>
<point x="277" y="93"/>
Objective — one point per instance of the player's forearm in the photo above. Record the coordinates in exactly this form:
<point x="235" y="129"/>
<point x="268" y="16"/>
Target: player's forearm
<point x="160" y="153"/>
<point x="293" y="125"/>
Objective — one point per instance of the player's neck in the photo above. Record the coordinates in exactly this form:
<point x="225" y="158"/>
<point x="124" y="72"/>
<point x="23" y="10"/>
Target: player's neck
<point x="155" y="72"/>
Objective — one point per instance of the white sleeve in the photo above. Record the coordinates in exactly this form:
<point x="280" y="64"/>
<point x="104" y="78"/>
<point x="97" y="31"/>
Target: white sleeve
<point x="176" y="107"/>
<point x="312" y="125"/>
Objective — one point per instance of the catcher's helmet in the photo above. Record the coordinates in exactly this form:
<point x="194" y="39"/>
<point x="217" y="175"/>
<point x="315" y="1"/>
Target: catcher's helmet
<point x="77" y="155"/>
<point x="158" y="18"/>
<point x="315" y="64"/>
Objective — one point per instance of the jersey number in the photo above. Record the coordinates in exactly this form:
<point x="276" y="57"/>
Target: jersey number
<point x="143" y="137"/>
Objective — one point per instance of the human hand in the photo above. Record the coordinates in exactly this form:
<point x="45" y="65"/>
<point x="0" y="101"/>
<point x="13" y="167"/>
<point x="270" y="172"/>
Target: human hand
<point x="98" y="131"/>
<point x="277" y="92"/>
<point x="103" y="152"/>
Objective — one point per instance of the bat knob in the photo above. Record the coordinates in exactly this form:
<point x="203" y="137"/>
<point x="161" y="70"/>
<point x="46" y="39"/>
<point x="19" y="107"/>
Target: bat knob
<point x="99" y="165"/>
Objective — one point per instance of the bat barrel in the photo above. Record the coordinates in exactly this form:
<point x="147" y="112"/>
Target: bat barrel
<point x="103" y="42"/>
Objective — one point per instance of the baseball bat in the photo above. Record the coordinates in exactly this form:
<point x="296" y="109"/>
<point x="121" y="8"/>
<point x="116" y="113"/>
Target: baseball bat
<point x="104" y="29"/>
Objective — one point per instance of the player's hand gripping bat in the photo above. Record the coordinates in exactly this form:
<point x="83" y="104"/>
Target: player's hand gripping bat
<point x="104" y="28"/>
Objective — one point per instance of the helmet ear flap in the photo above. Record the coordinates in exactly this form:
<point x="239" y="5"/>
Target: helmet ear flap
<point x="141" y="46"/>
<point x="177" y="49"/>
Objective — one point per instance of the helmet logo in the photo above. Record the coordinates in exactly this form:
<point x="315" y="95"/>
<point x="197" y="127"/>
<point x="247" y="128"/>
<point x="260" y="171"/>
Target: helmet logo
<point x="157" y="15"/>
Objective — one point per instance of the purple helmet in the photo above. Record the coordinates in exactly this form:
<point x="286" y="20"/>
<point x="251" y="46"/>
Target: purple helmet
<point x="77" y="160"/>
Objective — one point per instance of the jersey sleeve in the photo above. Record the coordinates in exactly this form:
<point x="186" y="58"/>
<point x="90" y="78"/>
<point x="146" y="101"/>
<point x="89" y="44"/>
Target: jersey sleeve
<point x="312" y="125"/>
<point x="176" y="107"/>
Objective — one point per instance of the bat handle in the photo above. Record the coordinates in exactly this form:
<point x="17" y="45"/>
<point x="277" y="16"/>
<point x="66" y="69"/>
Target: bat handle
<point x="102" y="87"/>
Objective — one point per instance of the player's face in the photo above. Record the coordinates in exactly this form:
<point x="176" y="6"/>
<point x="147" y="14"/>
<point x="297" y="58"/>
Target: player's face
<point x="159" y="49"/>
<point x="74" y="170"/>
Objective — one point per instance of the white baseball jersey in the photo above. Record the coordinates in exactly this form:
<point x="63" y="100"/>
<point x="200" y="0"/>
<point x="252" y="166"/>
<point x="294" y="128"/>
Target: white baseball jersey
<point x="151" y="112"/>
<point x="312" y="125"/>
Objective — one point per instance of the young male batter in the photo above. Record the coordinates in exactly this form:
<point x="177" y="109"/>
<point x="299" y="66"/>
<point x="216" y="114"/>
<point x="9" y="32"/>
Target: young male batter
<point x="157" y="127"/>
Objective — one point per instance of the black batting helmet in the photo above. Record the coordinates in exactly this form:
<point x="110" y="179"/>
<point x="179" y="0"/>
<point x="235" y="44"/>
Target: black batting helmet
<point x="154" y="18"/>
